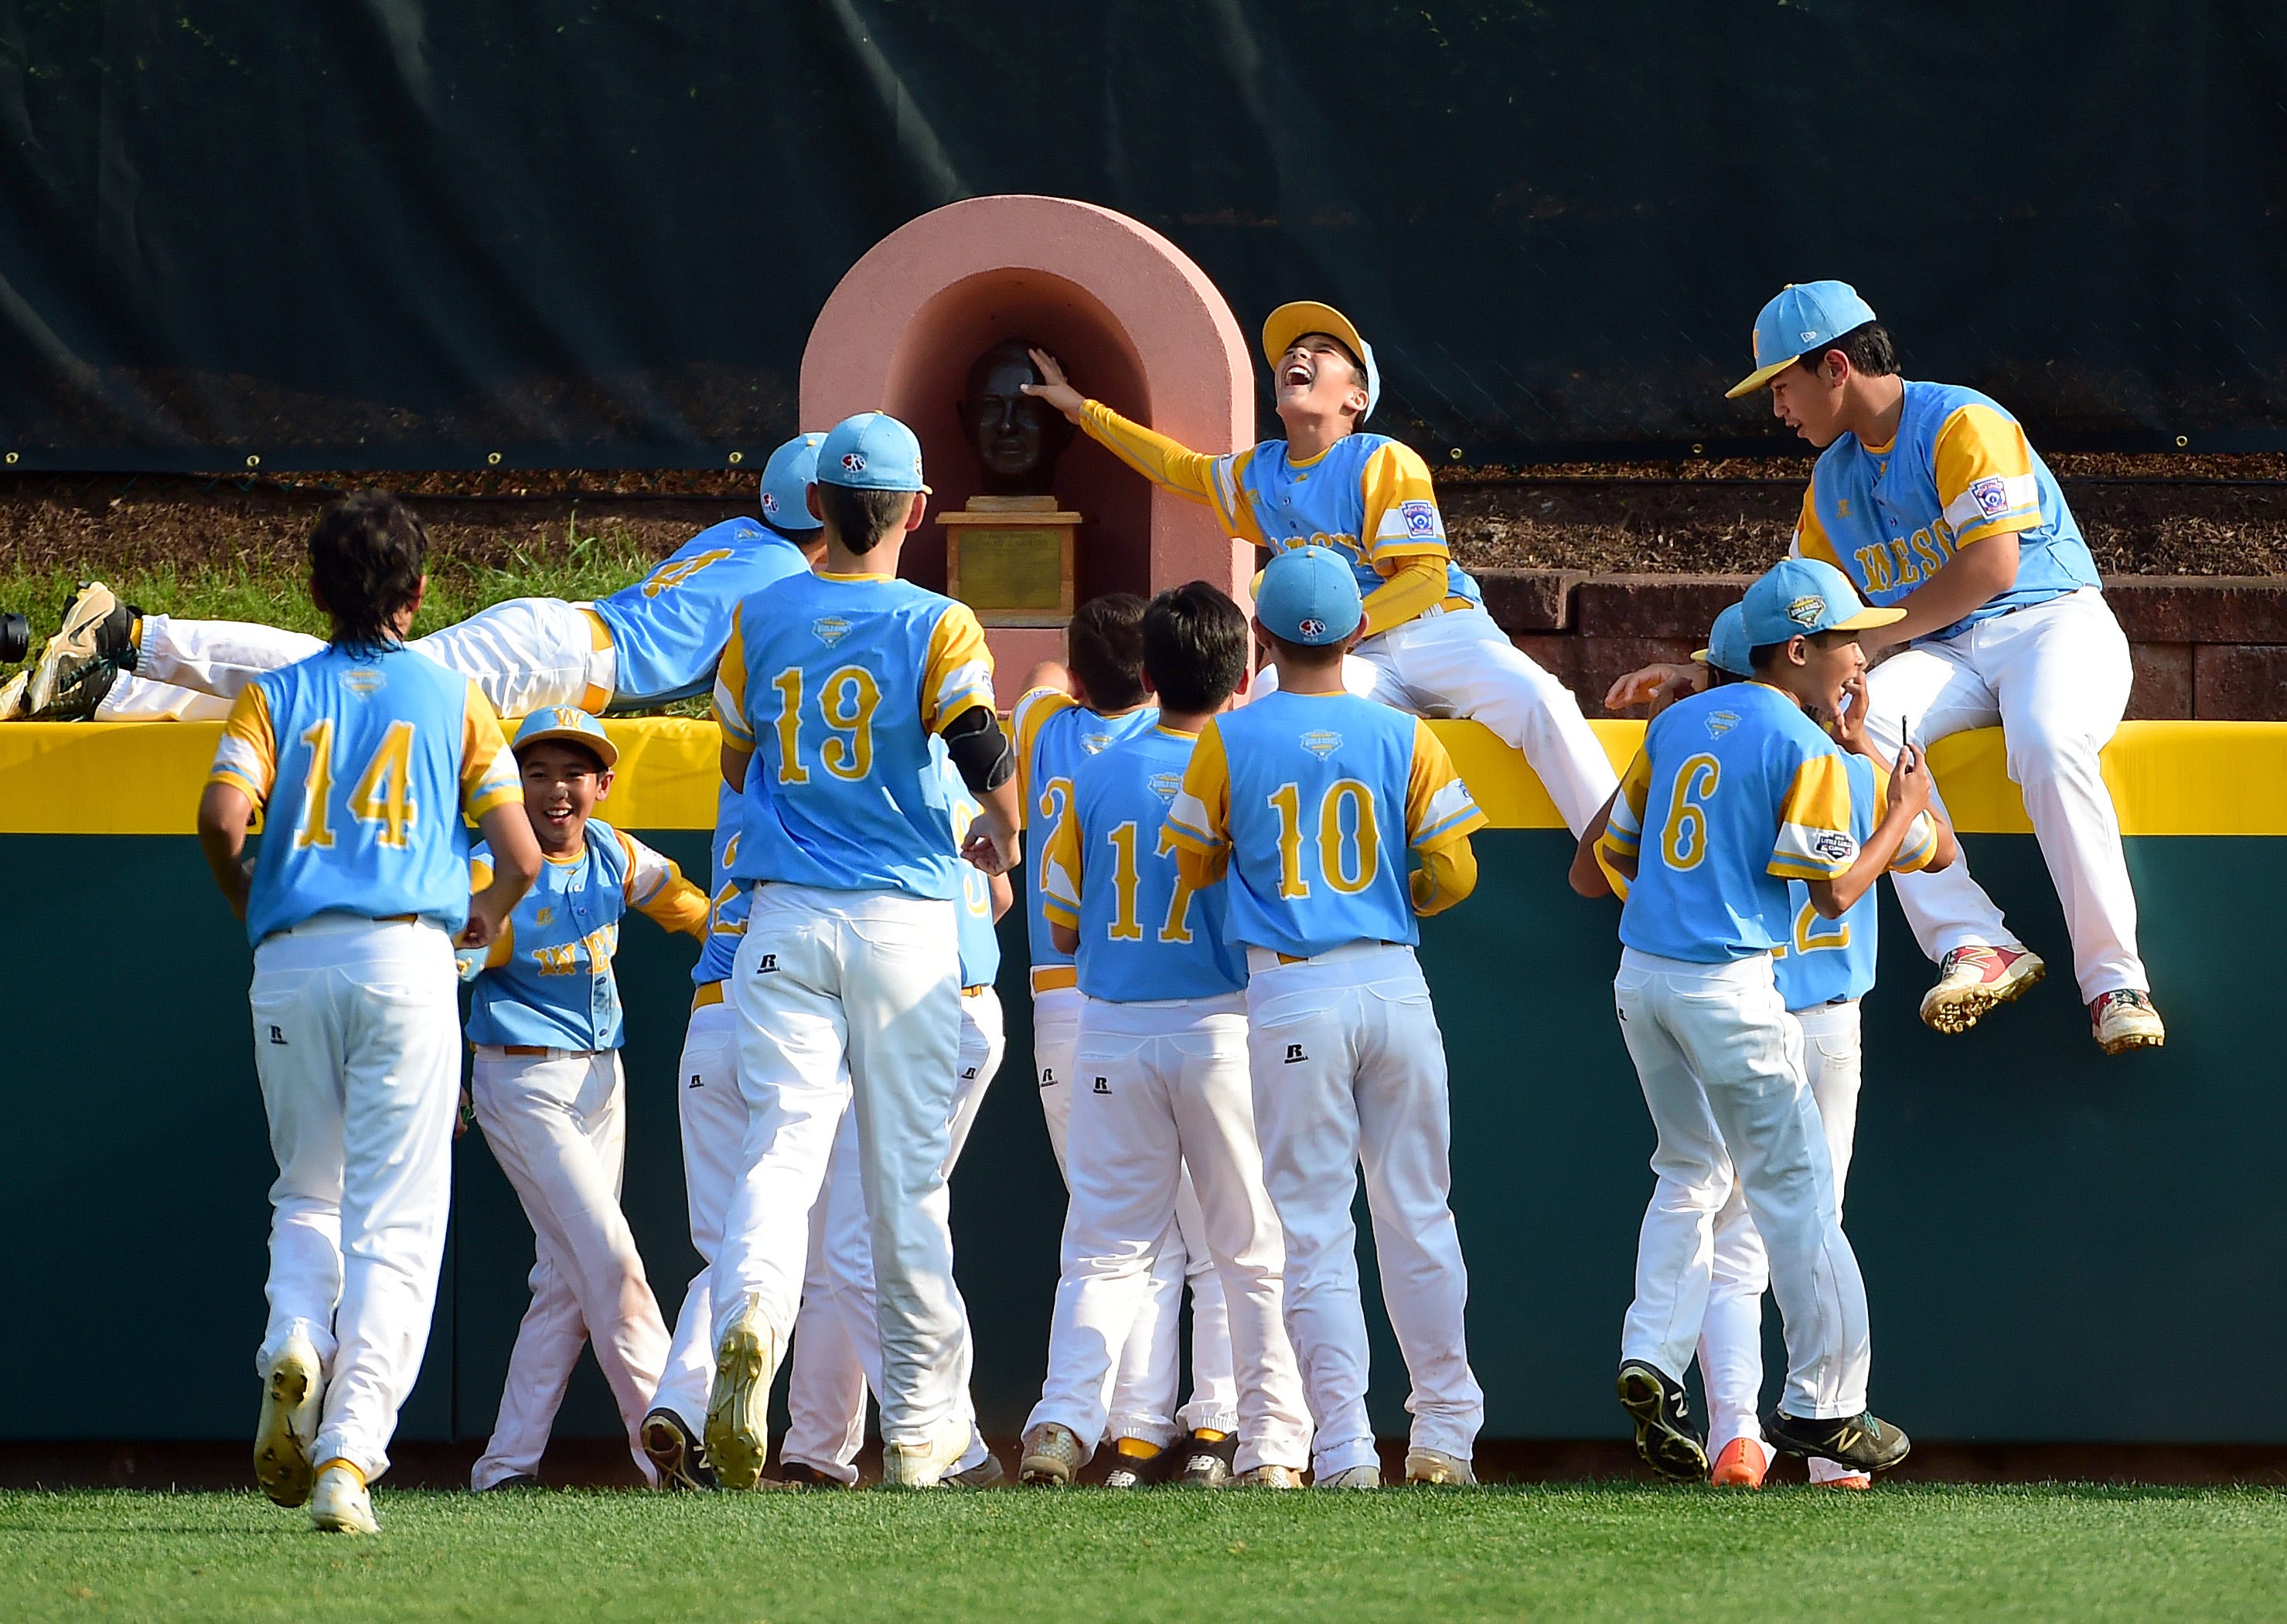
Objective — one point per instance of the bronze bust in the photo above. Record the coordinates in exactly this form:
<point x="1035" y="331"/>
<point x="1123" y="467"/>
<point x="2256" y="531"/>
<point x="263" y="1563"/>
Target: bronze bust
<point x="1016" y="437"/>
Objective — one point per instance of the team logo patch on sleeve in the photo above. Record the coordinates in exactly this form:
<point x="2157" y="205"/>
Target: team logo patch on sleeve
<point x="830" y="630"/>
<point x="1420" y="518"/>
<point x="1322" y="742"/>
<point x="1991" y="496"/>
<point x="1834" y="845"/>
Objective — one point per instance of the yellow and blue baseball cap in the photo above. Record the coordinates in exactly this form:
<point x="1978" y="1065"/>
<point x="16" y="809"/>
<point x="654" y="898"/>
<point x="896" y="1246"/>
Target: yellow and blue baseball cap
<point x="1804" y="316"/>
<point x="792" y="469"/>
<point x="1797" y="597"/>
<point x="1289" y="322"/>
<point x="563" y="721"/>
<point x="871" y="451"/>
<point x="1309" y="595"/>
<point x="1727" y="645"/>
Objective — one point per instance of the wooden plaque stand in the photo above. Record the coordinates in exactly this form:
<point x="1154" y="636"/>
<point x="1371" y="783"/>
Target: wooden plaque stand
<point x="1010" y="559"/>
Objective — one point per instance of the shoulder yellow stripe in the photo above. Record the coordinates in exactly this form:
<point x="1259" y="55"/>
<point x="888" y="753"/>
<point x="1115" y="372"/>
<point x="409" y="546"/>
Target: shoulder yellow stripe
<point x="2167" y="777"/>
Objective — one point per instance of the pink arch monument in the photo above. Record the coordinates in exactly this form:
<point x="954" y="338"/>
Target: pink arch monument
<point x="1137" y="326"/>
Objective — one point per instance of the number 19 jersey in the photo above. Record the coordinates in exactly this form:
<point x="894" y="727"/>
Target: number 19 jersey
<point x="836" y="684"/>
<point x="364" y="760"/>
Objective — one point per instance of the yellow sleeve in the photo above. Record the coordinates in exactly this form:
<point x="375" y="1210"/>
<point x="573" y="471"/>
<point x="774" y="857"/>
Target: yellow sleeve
<point x="957" y="676"/>
<point x="246" y="756"/>
<point x="1623" y="833"/>
<point x="1201" y="475"/>
<point x="1447" y="875"/>
<point x="1198" y="819"/>
<point x="1985" y="475"/>
<point x="657" y="889"/>
<point x="1438" y="810"/>
<point x="1032" y="714"/>
<point x="731" y="691"/>
<point x="1401" y="510"/>
<point x="1412" y="584"/>
<point x="1814" y="840"/>
<point x="1919" y="847"/>
<point x="1060" y="872"/>
<point x="488" y="773"/>
<point x="480" y="875"/>
<point x="1810" y="537"/>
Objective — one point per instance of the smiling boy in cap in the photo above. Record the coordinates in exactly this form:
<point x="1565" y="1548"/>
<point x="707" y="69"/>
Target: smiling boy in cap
<point x="1427" y="645"/>
<point x="1930" y="499"/>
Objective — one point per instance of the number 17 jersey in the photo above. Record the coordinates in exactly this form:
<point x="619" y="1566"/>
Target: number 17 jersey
<point x="838" y="684"/>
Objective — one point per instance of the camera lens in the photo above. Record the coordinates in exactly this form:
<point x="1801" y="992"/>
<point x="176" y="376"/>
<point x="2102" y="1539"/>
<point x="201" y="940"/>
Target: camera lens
<point x="15" y="638"/>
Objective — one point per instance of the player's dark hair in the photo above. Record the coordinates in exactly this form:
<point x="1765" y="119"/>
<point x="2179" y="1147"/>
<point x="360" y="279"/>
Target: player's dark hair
<point x="595" y="756"/>
<point x="1305" y="653"/>
<point x="1105" y="647"/>
<point x="861" y="518"/>
<point x="810" y="533"/>
<point x="1868" y="345"/>
<point x="367" y="552"/>
<point x="1195" y="647"/>
<point x="1763" y="656"/>
<point x="1717" y="677"/>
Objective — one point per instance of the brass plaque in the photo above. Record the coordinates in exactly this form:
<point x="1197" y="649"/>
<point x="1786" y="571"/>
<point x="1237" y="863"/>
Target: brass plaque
<point x="1011" y="569"/>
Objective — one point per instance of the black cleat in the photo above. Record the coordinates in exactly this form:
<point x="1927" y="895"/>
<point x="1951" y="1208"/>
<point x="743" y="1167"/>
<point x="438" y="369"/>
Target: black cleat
<point x="77" y="699"/>
<point x="1207" y="1459"/>
<point x="514" y="1480"/>
<point x="1670" y="1445"/>
<point x="675" y="1455"/>
<point x="1133" y="1469"/>
<point x="802" y="1475"/>
<point x="98" y="630"/>
<point x="1862" y="1442"/>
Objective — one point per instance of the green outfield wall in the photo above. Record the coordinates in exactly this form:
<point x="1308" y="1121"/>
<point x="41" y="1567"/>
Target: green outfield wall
<point x="2057" y="1246"/>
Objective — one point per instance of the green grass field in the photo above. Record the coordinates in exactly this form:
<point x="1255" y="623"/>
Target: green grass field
<point x="1577" y="1551"/>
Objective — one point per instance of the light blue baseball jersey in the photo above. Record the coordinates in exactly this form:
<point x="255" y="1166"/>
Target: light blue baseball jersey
<point x="1318" y="799"/>
<point x="1054" y="734"/>
<point x="364" y="760"/>
<point x="1734" y="792"/>
<point x="980" y="943"/>
<point x="668" y="630"/>
<point x="727" y="905"/>
<point x="1111" y="874"/>
<point x="1959" y="470"/>
<point x="547" y="979"/>
<point x="1822" y="960"/>
<point x="836" y="684"/>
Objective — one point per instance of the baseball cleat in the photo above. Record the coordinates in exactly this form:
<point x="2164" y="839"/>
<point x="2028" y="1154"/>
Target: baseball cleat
<point x="1136" y="1463"/>
<point x="1971" y="980"/>
<point x="674" y="1453"/>
<point x="77" y="699"/>
<point x="1052" y="1456"/>
<point x="1858" y="1481"/>
<point x="338" y="1500"/>
<point x="1742" y="1464"/>
<point x="514" y="1480"/>
<point x="1436" y="1466"/>
<point x="98" y="629"/>
<point x="2125" y="1019"/>
<point x="738" y="1407"/>
<point x="293" y="1392"/>
<point x="1208" y="1456"/>
<point x="1356" y="1477"/>
<point x="802" y="1474"/>
<point x="986" y="1474"/>
<point x="1864" y="1442"/>
<point x="924" y="1465"/>
<point x="1669" y="1443"/>
<point x="1269" y="1478"/>
<point x="12" y="696"/>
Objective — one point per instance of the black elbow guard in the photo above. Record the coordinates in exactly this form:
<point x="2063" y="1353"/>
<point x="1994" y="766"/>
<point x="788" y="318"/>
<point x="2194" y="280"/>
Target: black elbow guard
<point x="980" y="749"/>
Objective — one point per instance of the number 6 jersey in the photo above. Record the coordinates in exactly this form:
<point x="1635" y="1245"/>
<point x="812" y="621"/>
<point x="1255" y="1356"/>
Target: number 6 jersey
<point x="364" y="760"/>
<point x="837" y="683"/>
<point x="1315" y="802"/>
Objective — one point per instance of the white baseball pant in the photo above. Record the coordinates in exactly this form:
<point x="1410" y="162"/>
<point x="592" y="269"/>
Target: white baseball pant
<point x="1348" y="1071"/>
<point x="525" y="654"/>
<point x="849" y="996"/>
<point x="1459" y="663"/>
<point x="1163" y="1089"/>
<point x="557" y="1124"/>
<point x="713" y="1118"/>
<point x="2055" y="677"/>
<point x="1722" y="1069"/>
<point x="838" y="1343"/>
<point x="356" y="1042"/>
<point x="1731" y="1336"/>
<point x="1149" y="1372"/>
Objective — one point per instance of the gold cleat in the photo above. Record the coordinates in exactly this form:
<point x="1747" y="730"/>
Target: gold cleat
<point x="2125" y="1019"/>
<point x="1436" y="1466"/>
<point x="12" y="707"/>
<point x="1972" y="980"/>
<point x="924" y="1465"/>
<point x="1052" y="1456"/>
<point x="339" y="1503"/>
<point x="1269" y="1478"/>
<point x="1356" y="1477"/>
<point x="293" y="1394"/>
<point x="738" y="1407"/>
<point x="96" y="629"/>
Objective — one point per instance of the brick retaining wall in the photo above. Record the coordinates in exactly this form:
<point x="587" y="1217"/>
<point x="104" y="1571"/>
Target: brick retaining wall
<point x="2212" y="647"/>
